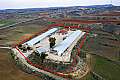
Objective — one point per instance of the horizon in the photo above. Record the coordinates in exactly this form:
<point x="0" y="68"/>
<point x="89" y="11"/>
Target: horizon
<point x="52" y="7"/>
<point x="15" y="4"/>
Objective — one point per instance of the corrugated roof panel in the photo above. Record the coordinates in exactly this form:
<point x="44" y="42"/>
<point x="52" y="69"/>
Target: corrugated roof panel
<point x="68" y="41"/>
<point x="41" y="37"/>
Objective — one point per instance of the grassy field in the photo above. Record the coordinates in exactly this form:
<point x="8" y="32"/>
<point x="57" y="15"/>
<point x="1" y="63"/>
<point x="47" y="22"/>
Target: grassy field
<point x="117" y="36"/>
<point x="6" y="22"/>
<point x="104" y="44"/>
<point x="102" y="65"/>
<point x="106" y="69"/>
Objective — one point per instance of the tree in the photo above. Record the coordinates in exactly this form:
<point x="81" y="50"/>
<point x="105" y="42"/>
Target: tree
<point x="43" y="56"/>
<point x="52" y="41"/>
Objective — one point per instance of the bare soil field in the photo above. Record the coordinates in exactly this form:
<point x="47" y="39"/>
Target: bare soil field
<point x="9" y="71"/>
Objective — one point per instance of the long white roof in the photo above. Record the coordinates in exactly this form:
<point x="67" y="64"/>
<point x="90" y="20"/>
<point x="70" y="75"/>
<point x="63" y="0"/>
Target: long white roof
<point x="41" y="37"/>
<point x="68" y="41"/>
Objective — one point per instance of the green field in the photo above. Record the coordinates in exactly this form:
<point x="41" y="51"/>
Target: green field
<point x="6" y="22"/>
<point x="117" y="36"/>
<point x="106" y="69"/>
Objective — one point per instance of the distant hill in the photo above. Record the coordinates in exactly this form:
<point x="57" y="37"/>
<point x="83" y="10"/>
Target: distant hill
<point x="31" y="10"/>
<point x="99" y="6"/>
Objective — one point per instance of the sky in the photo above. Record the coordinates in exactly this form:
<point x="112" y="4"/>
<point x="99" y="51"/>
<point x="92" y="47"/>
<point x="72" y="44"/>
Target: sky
<point x="19" y="4"/>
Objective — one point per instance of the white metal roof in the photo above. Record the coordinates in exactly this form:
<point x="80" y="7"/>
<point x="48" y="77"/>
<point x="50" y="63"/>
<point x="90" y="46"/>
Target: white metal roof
<point x="68" y="41"/>
<point x="40" y="50"/>
<point x="41" y="37"/>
